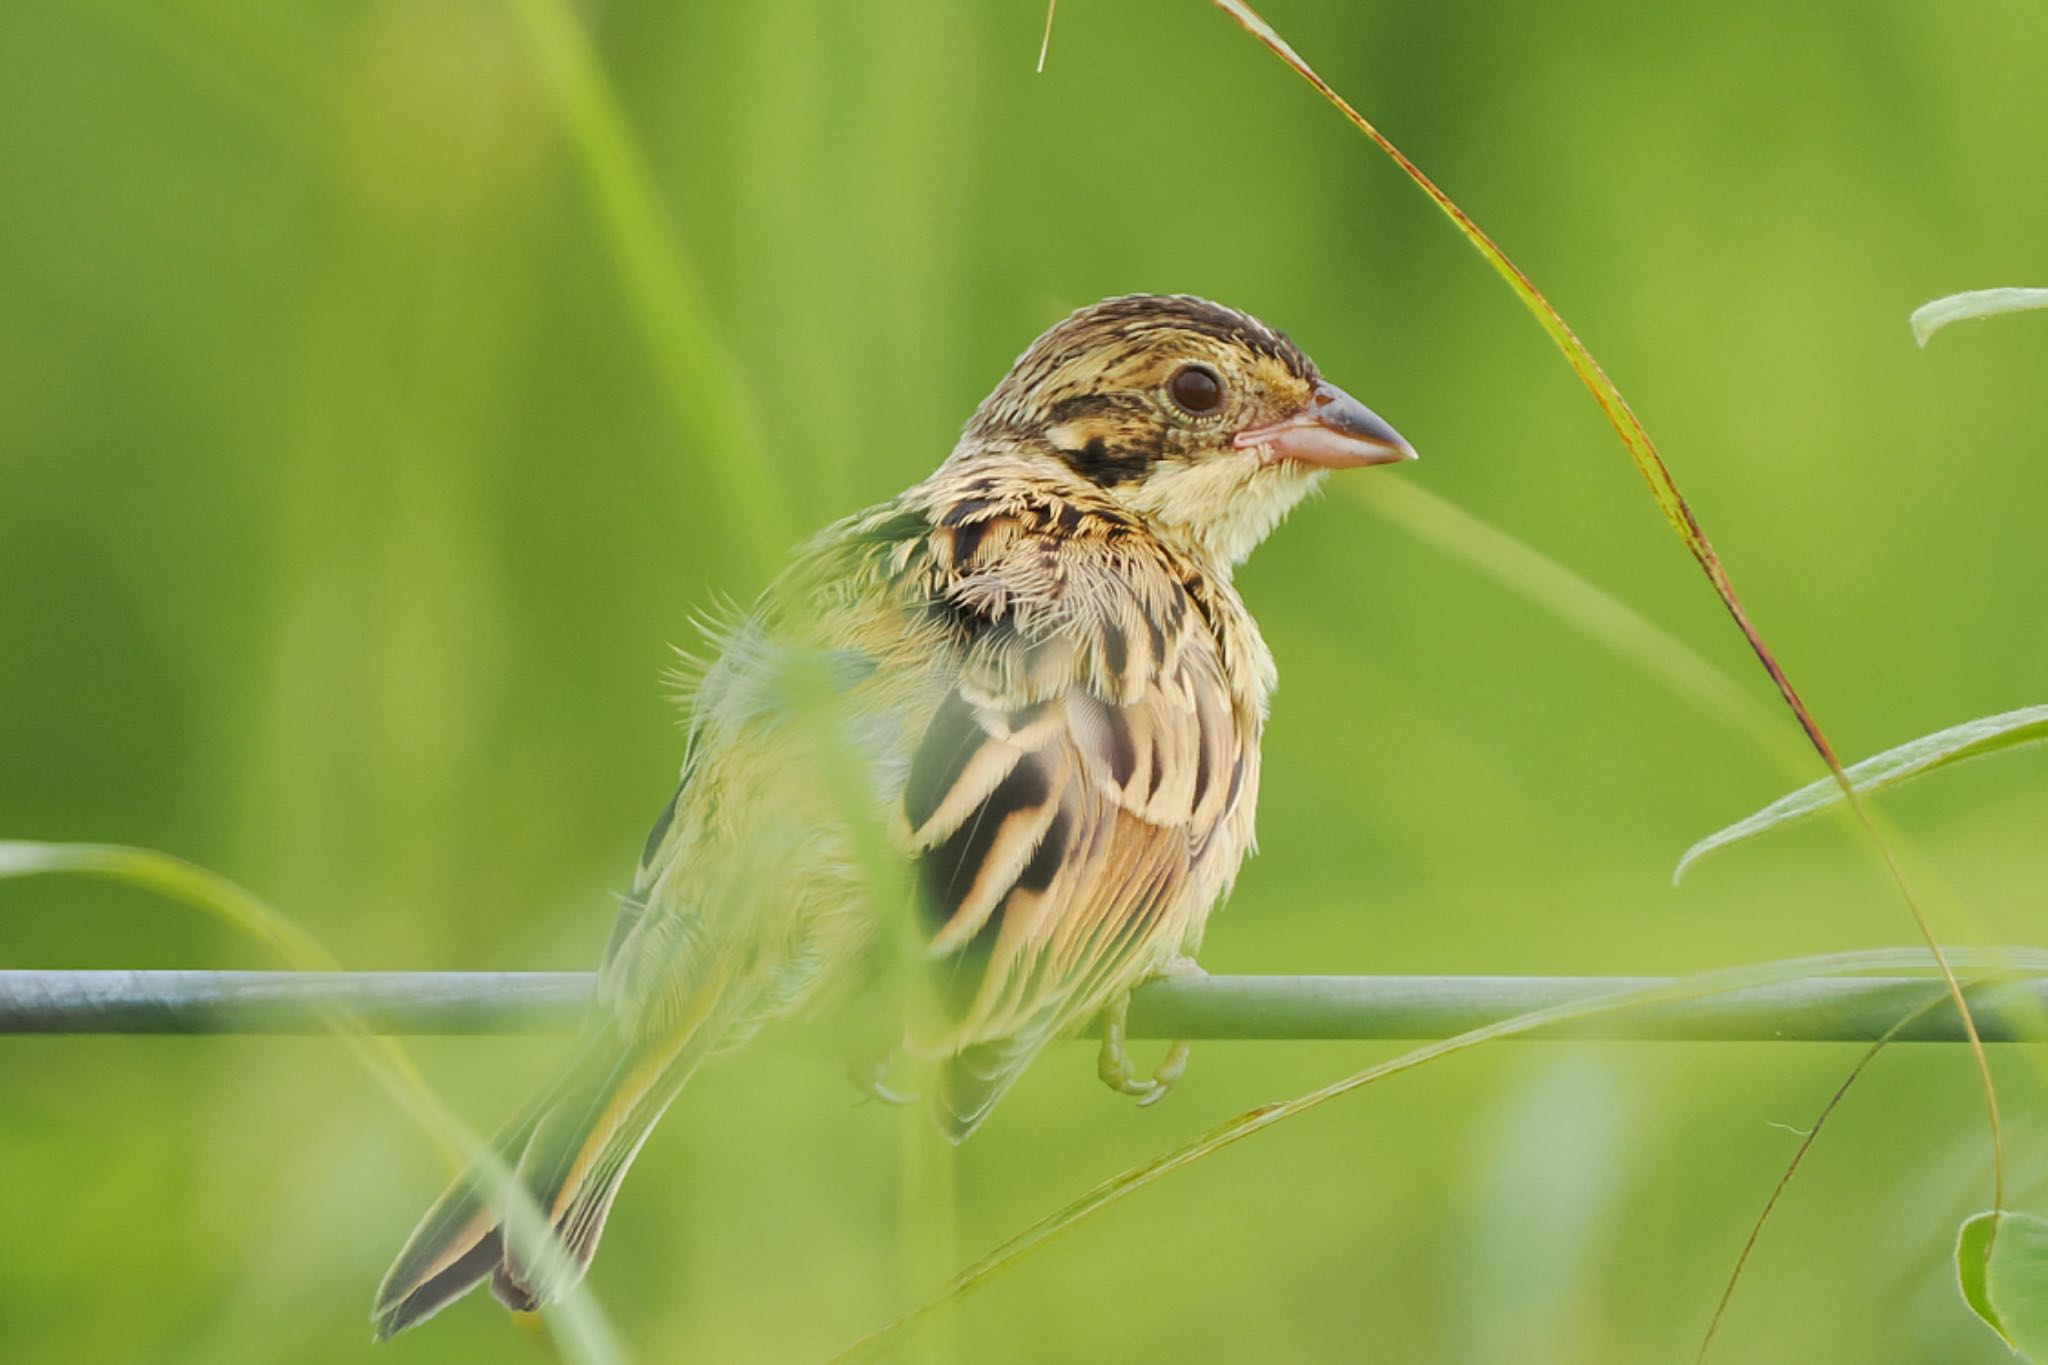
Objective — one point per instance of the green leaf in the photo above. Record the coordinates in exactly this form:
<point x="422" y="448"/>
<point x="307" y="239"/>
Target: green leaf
<point x="1915" y="758"/>
<point x="1931" y="317"/>
<point x="2002" y="1266"/>
<point x="1973" y="1266"/>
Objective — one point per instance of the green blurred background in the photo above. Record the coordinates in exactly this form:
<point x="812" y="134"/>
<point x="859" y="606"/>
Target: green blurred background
<point x="362" y="454"/>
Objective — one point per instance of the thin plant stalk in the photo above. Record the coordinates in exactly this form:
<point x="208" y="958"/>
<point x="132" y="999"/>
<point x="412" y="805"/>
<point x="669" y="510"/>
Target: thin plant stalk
<point x="1117" y="1188"/>
<point x="1664" y="489"/>
<point x="698" y="378"/>
<point x="586" y="1335"/>
<point x="1599" y="614"/>
<point x="1756" y="1230"/>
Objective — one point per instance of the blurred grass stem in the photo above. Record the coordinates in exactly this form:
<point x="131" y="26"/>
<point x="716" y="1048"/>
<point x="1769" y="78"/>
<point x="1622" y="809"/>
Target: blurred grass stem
<point x="1642" y="451"/>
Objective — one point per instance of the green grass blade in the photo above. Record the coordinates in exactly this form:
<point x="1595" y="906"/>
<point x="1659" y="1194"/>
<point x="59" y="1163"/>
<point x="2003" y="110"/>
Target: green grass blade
<point x="1932" y="316"/>
<point x="1665" y="490"/>
<point x="890" y="1337"/>
<point x="699" y="379"/>
<point x="585" y="1337"/>
<point x="1634" y="437"/>
<point x="1915" y="758"/>
<point x="1045" y="43"/>
<point x="1603" y="617"/>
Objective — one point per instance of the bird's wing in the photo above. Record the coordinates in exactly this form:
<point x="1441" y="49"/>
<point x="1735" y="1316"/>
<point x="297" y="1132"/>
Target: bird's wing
<point x="1077" y="771"/>
<point x="1079" y="798"/>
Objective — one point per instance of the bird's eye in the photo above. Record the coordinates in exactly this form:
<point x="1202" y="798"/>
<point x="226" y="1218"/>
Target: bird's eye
<point x="1196" y="389"/>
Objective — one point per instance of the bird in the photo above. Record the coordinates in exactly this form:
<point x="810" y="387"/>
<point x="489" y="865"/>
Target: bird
<point x="1003" y="726"/>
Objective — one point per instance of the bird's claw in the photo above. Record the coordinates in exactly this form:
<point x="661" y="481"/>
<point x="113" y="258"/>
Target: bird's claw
<point x="879" y="1090"/>
<point x="872" y="1080"/>
<point x="1120" y="1074"/>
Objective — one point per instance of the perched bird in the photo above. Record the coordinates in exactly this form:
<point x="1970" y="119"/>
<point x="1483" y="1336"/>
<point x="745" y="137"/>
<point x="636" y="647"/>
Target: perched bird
<point x="1023" y="698"/>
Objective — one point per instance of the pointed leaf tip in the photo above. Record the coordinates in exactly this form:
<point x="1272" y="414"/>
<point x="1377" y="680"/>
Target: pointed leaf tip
<point x="1974" y="1243"/>
<point x="1915" y="758"/>
<point x="2002" y="1269"/>
<point x="1932" y="316"/>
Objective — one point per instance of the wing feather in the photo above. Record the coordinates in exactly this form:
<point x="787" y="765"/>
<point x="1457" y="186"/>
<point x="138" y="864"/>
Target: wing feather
<point x="1065" y="799"/>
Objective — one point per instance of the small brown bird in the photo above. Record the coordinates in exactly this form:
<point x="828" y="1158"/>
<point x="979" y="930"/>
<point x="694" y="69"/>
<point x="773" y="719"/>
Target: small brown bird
<point x="1028" y="683"/>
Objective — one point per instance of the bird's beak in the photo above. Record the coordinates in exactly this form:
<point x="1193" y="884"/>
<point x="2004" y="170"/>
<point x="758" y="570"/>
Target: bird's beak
<point x="1333" y="431"/>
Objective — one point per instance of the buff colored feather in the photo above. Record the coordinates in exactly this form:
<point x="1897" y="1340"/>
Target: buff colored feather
<point x="1054" y="693"/>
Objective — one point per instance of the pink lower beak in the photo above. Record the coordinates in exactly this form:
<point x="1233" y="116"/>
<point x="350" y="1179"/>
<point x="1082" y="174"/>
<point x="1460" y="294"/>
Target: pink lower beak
<point x="1335" y="431"/>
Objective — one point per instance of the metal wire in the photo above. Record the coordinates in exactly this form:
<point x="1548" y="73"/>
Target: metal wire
<point x="1821" y="1009"/>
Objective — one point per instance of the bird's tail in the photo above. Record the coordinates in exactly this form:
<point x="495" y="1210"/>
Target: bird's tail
<point x="568" y="1149"/>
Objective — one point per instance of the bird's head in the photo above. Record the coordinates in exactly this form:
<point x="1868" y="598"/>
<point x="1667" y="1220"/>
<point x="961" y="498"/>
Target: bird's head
<point x="1201" y="420"/>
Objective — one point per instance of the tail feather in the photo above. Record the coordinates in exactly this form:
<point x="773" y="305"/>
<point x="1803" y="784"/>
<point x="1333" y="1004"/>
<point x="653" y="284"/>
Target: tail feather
<point x="458" y="1241"/>
<point x="569" y="1149"/>
<point x="437" y="1290"/>
<point x="972" y="1080"/>
<point x="576" y="1158"/>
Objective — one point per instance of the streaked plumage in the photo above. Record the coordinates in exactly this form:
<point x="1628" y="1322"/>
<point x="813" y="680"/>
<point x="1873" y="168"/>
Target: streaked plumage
<point x="1030" y="678"/>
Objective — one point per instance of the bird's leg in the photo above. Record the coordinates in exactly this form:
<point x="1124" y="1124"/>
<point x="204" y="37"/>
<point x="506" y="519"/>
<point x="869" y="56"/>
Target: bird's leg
<point x="1174" y="1064"/>
<point x="1114" y="1062"/>
<point x="870" y="1075"/>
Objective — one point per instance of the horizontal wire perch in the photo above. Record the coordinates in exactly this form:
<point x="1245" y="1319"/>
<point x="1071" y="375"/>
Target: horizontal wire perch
<point x="1814" y="1009"/>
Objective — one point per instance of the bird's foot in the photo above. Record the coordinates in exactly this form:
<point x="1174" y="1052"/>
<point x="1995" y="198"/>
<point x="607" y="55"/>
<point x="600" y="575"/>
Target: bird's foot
<point x="871" y="1077"/>
<point x="1120" y="1074"/>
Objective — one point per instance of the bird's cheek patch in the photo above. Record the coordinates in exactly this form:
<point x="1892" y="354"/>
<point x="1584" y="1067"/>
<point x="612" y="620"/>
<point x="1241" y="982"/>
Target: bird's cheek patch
<point x="1105" y="452"/>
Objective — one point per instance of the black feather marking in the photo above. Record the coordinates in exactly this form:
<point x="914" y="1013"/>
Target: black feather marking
<point x="968" y="509"/>
<point x="948" y="870"/>
<point x="954" y="733"/>
<point x="953" y="618"/>
<point x="967" y="538"/>
<point x="1088" y="405"/>
<point x="894" y="530"/>
<point x="1128" y="419"/>
<point x="1123" y="752"/>
<point x="661" y="824"/>
<point x="442" y="1288"/>
<point x="1097" y="463"/>
<point x="507" y="1288"/>
<point x="1115" y="527"/>
<point x="1198" y="594"/>
<point x="1045" y="863"/>
<point x="965" y="621"/>
<point x="1116" y="651"/>
<point x="1201" y="758"/>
